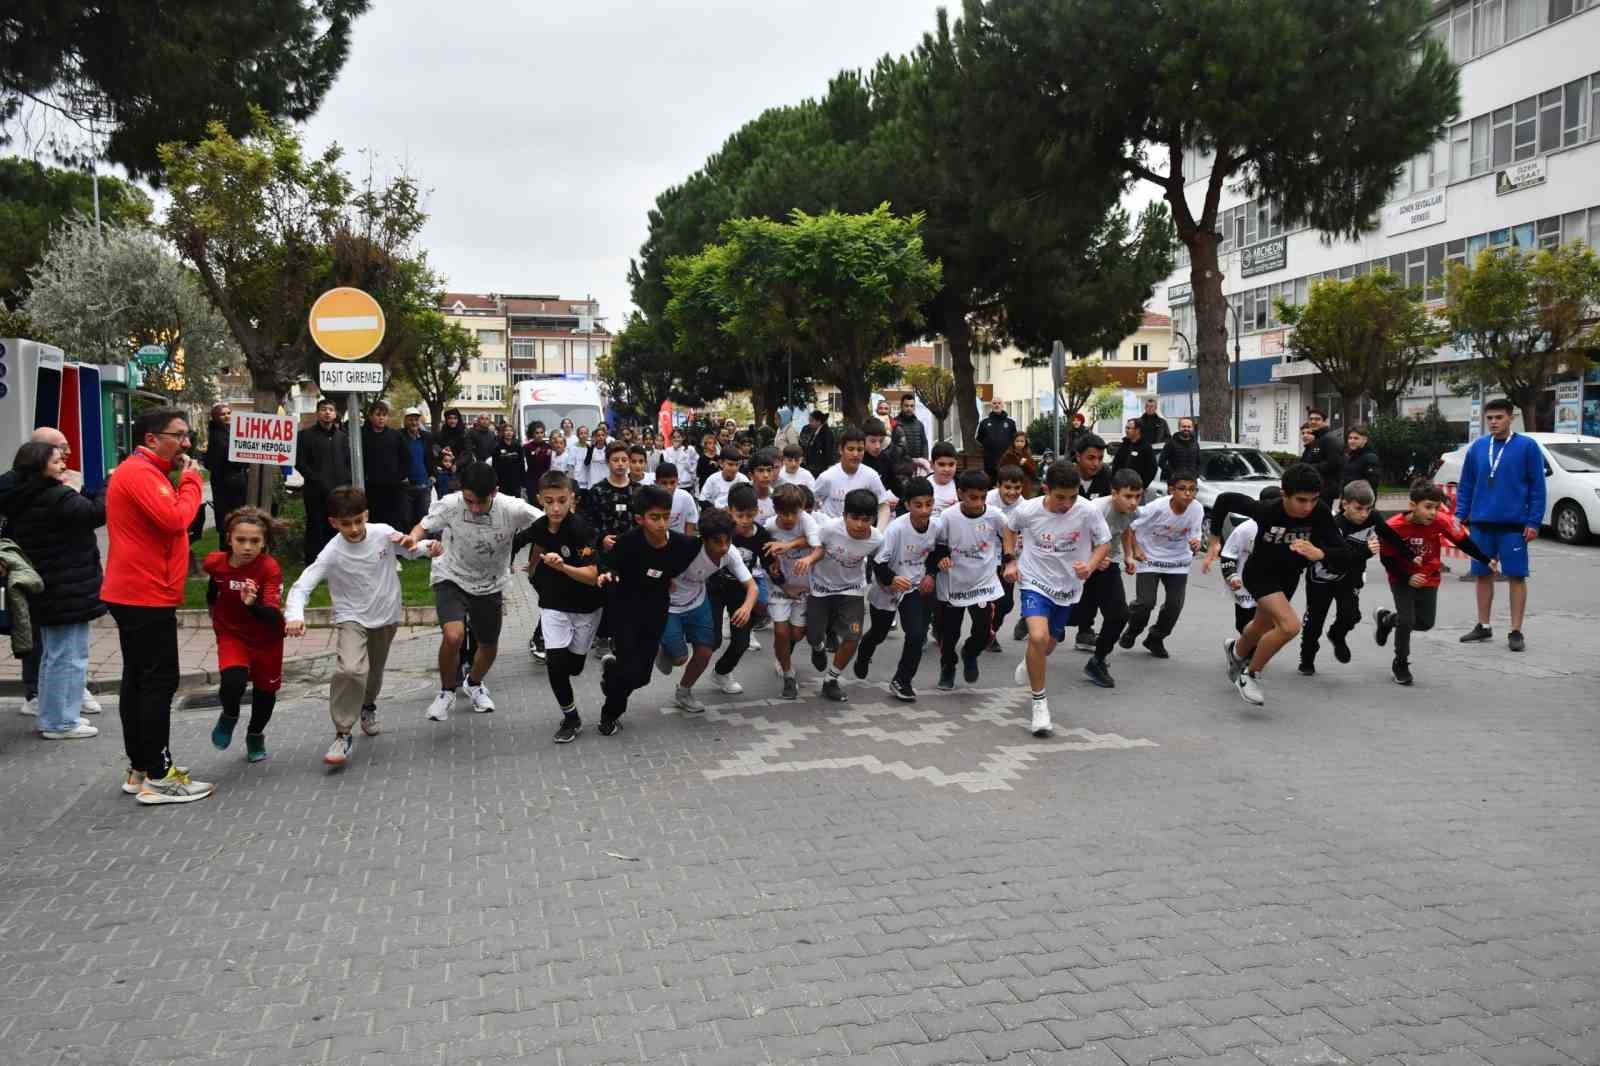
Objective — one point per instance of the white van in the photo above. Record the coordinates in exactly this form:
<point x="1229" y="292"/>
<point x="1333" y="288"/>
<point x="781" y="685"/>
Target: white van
<point x="551" y="399"/>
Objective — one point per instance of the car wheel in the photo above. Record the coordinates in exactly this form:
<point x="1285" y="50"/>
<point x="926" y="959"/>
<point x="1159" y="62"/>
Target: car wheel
<point x="1570" y="523"/>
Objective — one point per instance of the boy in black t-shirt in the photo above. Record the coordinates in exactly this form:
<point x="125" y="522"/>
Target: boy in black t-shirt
<point x="750" y="540"/>
<point x="564" y="569"/>
<point x="637" y="571"/>
<point x="1292" y="532"/>
<point x="607" y="508"/>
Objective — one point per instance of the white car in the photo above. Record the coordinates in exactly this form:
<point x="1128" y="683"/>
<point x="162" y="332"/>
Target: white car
<point x="1571" y="482"/>
<point x="1229" y="468"/>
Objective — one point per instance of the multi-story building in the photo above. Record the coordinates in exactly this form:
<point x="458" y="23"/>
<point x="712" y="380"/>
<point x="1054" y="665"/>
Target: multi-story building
<point x="1519" y="169"/>
<point x="520" y="337"/>
<point x="484" y="388"/>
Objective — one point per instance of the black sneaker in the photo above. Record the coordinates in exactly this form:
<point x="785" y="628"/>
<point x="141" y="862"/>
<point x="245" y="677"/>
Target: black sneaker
<point x="831" y="643"/>
<point x="833" y="690"/>
<point x="1515" y="642"/>
<point x="819" y="658"/>
<point x="1126" y="640"/>
<point x="903" y="693"/>
<point x="1097" y="671"/>
<point x="863" y="664"/>
<point x="1020" y="630"/>
<point x="994" y="646"/>
<point x="1084" y="641"/>
<point x="947" y="678"/>
<point x="608" y="726"/>
<point x="1308" y="669"/>
<point x="1156" y="647"/>
<point x="791" y="687"/>
<point x="1477" y="634"/>
<point x="969" y="669"/>
<point x="1385" y="624"/>
<point x="571" y="726"/>
<point x="1402" y="673"/>
<point x="1341" y="649"/>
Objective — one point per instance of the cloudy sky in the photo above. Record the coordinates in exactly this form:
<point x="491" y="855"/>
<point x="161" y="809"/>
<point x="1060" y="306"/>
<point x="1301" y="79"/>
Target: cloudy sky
<point x="546" y="131"/>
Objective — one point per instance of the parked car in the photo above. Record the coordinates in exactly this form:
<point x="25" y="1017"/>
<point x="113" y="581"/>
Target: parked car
<point x="1571" y="482"/>
<point x="1229" y="468"/>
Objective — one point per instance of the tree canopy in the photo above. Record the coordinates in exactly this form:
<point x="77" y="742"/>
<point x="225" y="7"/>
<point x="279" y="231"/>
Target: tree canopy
<point x="34" y="199"/>
<point x="432" y="364"/>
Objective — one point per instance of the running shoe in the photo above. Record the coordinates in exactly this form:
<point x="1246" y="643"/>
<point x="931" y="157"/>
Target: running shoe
<point x="222" y="732"/>
<point x="1098" y="672"/>
<point x="947" y="678"/>
<point x="255" y="747"/>
<point x="132" y="781"/>
<point x="1341" y="649"/>
<point x="1126" y="640"/>
<point x="862" y="665"/>
<point x="30" y="707"/>
<point x="994" y="646"/>
<point x="482" y="703"/>
<point x="369" y="720"/>
<point x="755" y="645"/>
<point x="1156" y="646"/>
<point x="1040" y="725"/>
<point x="791" y="687"/>
<point x="685" y="700"/>
<point x="609" y="726"/>
<point x="1084" y="640"/>
<point x="571" y="726"/>
<point x="1308" y="669"/>
<point x="439" y="709"/>
<point x="969" y="669"/>
<point x="902" y="692"/>
<point x="726" y="684"/>
<point x="339" y="752"/>
<point x="89" y="705"/>
<point x="819" y="658"/>
<point x="1235" y="664"/>
<point x="833" y="689"/>
<point x="1385" y="625"/>
<point x="1249" y="686"/>
<point x="1020" y="674"/>
<point x="1402" y="673"/>
<point x="80" y="731"/>
<point x="1515" y="642"/>
<point x="175" y="787"/>
<point x="1477" y="634"/>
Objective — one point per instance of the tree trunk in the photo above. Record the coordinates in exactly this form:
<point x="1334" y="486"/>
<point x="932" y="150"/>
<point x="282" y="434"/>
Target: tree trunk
<point x="1349" y="410"/>
<point x="958" y="338"/>
<point x="1526" y="397"/>
<point x="1211" y="340"/>
<point x="854" y="392"/>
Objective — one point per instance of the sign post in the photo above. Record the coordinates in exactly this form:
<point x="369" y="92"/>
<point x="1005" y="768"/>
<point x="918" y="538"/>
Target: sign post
<point x="348" y="324"/>
<point x="151" y="355"/>
<point x="1058" y="373"/>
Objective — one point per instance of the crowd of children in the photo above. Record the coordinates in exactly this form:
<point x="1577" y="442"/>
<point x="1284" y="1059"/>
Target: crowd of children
<point x="643" y="571"/>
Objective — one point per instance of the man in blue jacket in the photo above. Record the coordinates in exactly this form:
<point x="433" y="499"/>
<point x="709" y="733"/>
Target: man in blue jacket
<point x="1501" y="499"/>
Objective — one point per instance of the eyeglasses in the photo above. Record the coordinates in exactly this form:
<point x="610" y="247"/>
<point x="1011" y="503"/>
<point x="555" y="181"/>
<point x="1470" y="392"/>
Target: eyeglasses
<point x="185" y="435"/>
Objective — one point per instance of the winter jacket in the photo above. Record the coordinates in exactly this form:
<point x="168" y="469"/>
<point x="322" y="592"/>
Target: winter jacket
<point x="1180" y="454"/>
<point x="1139" y="457"/>
<point x="1361" y="466"/>
<point x="484" y="443"/>
<point x="54" y="526"/>
<point x="995" y="434"/>
<point x="383" y="456"/>
<point x="430" y="457"/>
<point x="1029" y="465"/>
<point x="147" y="521"/>
<point x="23" y="589"/>
<point x="536" y="458"/>
<point x="820" y="453"/>
<point x="1515" y="496"/>
<point x="1153" y="430"/>
<point x="226" y="475"/>
<point x="909" y="436"/>
<point x="456" y="440"/>
<point x="323" y="455"/>
<point x="510" y="468"/>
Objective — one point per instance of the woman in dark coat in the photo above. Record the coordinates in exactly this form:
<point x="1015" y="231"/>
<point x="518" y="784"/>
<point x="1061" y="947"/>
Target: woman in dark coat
<point x="54" y="526"/>
<point x="510" y="465"/>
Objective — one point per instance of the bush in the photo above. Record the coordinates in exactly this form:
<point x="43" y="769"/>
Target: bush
<point x="1411" y="447"/>
<point x="1042" y="434"/>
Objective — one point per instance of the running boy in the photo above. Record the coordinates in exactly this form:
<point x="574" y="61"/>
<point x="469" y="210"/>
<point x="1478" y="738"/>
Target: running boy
<point x="1005" y="498"/>
<point x="1414" y="574"/>
<point x="904" y="584"/>
<point x="944" y="476"/>
<point x="1235" y="553"/>
<point x="685" y="512"/>
<point x="968" y="558"/>
<point x="1104" y="591"/>
<point x="1292" y="532"/>
<point x="1055" y="543"/>
<point x="796" y="545"/>
<point x="245" y="595"/>
<point x="761" y="472"/>
<point x="714" y="493"/>
<point x="750" y="542"/>
<point x="638" y="468"/>
<point x="1364" y="529"/>
<point x="793" y="473"/>
<point x="834" y="605"/>
<point x="1166" y="536"/>
<point x="848" y="475"/>
<point x="564" y="570"/>
<point x="690" y="637"/>
<point x="359" y="565"/>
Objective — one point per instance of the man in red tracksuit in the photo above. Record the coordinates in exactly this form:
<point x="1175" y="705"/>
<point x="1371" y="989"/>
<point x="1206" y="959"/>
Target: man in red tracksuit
<point x="147" y="521"/>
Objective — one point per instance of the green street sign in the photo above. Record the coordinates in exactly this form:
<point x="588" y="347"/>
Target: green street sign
<point x="152" y="355"/>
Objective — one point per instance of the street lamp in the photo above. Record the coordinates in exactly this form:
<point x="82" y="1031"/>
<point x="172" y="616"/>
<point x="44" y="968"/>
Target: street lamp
<point x="1237" y="398"/>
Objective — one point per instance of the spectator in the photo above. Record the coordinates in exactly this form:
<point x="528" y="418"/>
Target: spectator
<point x="510" y="465"/>
<point x="445" y="478"/>
<point x="908" y="434"/>
<point x="146" y="565"/>
<point x="535" y="459"/>
<point x="453" y="435"/>
<point x="1361" y="462"/>
<point x="1135" y="453"/>
<point x="383" y="458"/>
<point x="419" y="467"/>
<point x="995" y="434"/>
<point x="1326" y="453"/>
<point x="820" y="452"/>
<point x="54" y="526"/>
<point x="1019" y="455"/>
<point x="227" y="477"/>
<point x="483" y="439"/>
<point x="1182" y="450"/>
<point x="322" y="455"/>
<point x="1153" y="429"/>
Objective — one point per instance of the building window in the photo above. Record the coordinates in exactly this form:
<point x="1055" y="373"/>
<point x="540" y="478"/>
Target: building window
<point x="1574" y="125"/>
<point x="1108" y="354"/>
<point x="1141" y="353"/>
<point x="1500" y="137"/>
<point x="524" y="348"/>
<point x="491" y="336"/>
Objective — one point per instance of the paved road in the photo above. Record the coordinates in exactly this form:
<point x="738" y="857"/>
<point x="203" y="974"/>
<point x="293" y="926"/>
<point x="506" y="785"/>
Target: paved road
<point x="1355" y="874"/>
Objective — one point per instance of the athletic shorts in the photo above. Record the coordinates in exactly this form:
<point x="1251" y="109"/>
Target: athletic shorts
<point x="1504" y="544"/>
<point x="1259" y="585"/>
<point x="790" y="609"/>
<point x="693" y="626"/>
<point x="841" y="615"/>
<point x="564" y="629"/>
<point x="1056" y="615"/>
<point x="455" y="604"/>
<point x="264" y="660"/>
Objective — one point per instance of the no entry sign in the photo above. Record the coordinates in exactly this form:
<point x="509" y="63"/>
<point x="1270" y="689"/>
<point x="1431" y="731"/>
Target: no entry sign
<point x="258" y="438"/>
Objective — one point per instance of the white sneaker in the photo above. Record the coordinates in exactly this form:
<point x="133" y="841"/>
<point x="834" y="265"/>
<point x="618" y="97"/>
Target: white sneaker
<point x="755" y="645"/>
<point x="439" y="709"/>
<point x="726" y="684"/>
<point x="30" y="707"/>
<point x="1041" y="719"/>
<point x="1235" y="664"/>
<point x="1020" y="674"/>
<point x="482" y="703"/>
<point x="89" y="705"/>
<point x="685" y="701"/>
<point x="81" y="731"/>
<point x="339" y="753"/>
<point x="1250" y="688"/>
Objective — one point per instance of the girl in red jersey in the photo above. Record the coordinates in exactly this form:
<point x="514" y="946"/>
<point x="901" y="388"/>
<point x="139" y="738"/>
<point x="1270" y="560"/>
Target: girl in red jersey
<point x="246" y="599"/>
<point x="1415" y="581"/>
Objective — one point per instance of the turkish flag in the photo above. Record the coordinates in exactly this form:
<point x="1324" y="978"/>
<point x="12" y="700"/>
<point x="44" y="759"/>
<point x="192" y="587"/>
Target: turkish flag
<point x="664" y="420"/>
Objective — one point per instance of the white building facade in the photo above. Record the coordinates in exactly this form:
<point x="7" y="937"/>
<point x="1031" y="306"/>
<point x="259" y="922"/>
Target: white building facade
<point x="1520" y="168"/>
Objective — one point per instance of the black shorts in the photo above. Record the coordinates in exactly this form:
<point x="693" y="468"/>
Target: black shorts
<point x="1259" y="585"/>
<point x="455" y="604"/>
<point x="841" y="615"/>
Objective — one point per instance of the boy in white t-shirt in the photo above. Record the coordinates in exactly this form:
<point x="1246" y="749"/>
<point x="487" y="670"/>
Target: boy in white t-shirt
<point x="1005" y="497"/>
<point x="968" y="558"/>
<point x="793" y="473"/>
<point x="1057" y="542"/>
<point x="714" y="493"/>
<point x="945" y="462"/>
<point x="834" y="604"/>
<point x="1166" y="536"/>
<point x="902" y="583"/>
<point x="685" y="513"/>
<point x="761" y="474"/>
<point x="848" y="475"/>
<point x="689" y="622"/>
<point x="797" y="546"/>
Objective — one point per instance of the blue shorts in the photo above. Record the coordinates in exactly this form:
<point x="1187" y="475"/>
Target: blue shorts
<point x="690" y="627"/>
<point x="1506" y="545"/>
<point x="761" y="587"/>
<point x="1056" y="615"/>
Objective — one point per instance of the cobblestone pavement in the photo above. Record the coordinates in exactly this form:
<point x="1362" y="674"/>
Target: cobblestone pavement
<point x="1354" y="874"/>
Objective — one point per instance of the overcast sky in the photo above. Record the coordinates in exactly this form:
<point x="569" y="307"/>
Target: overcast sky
<point x="546" y="131"/>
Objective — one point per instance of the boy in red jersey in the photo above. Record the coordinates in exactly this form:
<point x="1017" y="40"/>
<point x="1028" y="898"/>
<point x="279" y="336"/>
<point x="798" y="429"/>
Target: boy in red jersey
<point x="246" y="598"/>
<point x="1415" y="582"/>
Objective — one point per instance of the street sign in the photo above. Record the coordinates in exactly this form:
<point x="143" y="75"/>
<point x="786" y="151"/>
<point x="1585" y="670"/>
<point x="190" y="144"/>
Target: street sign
<point x="259" y="438"/>
<point x="347" y="323"/>
<point x="350" y="377"/>
<point x="1058" y="363"/>
<point x="151" y="355"/>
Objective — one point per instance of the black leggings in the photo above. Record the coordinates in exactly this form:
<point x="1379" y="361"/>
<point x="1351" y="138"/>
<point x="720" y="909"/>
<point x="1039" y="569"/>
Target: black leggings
<point x="950" y="632"/>
<point x="633" y="648"/>
<point x="1105" y="593"/>
<point x="1320" y="596"/>
<point x="562" y="666"/>
<point x="1414" y="609"/>
<point x="725" y="603"/>
<point x="914" y="618"/>
<point x="231" y="692"/>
